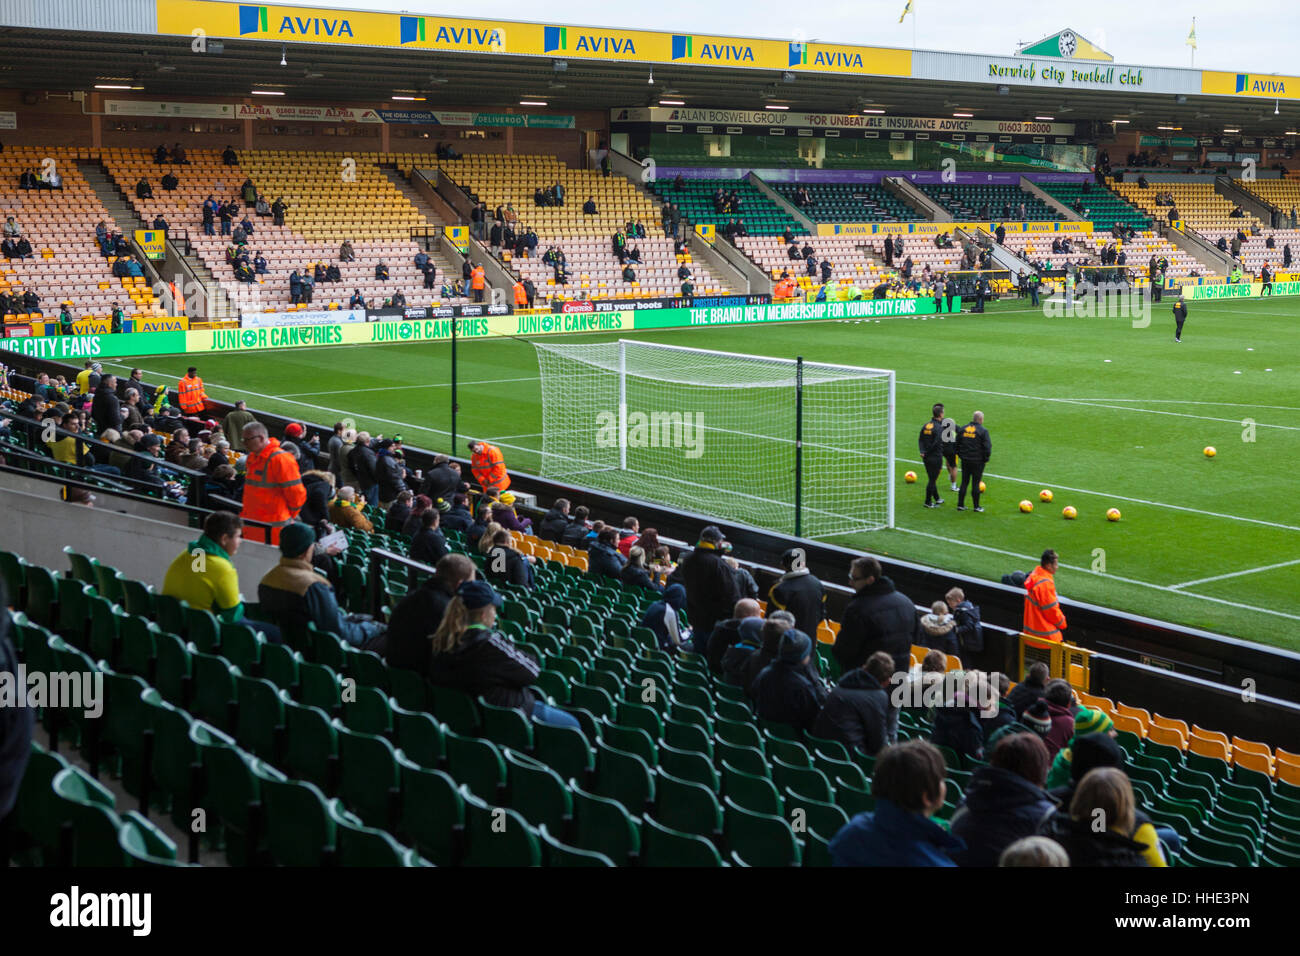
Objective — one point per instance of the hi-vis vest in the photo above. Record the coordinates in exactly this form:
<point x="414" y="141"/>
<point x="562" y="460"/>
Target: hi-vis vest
<point x="489" y="468"/>
<point x="1043" y="615"/>
<point x="273" y="490"/>
<point x="190" y="395"/>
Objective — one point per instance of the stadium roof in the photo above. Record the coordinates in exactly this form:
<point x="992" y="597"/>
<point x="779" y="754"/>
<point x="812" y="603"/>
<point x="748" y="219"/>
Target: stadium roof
<point x="332" y="56"/>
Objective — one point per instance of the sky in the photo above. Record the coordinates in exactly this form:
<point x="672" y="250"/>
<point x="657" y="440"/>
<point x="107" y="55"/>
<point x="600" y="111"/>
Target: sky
<point x="1151" y="34"/>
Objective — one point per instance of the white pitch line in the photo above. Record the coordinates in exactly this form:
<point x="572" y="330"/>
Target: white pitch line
<point x="1175" y="401"/>
<point x="393" y="388"/>
<point x="1234" y="574"/>
<point x="1118" y="408"/>
<point x="1111" y="577"/>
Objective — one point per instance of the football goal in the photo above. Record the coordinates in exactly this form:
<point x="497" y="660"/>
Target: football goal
<point x="794" y="446"/>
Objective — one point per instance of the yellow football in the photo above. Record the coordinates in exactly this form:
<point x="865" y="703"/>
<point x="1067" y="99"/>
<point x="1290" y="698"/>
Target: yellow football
<point x="1026" y="506"/>
<point x="1070" y="513"/>
<point x="1209" y="451"/>
<point x="983" y="487"/>
<point x="1113" y="514"/>
<point x="1044" y="495"/>
<point x="910" y="477"/>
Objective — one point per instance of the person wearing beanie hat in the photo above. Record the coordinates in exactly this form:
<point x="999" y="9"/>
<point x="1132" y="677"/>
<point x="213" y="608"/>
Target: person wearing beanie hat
<point x="504" y="514"/>
<point x="1103" y="750"/>
<point x="1086" y="721"/>
<point x="294" y="431"/>
<point x="390" y="474"/>
<point x="783" y="691"/>
<point x="1035" y="720"/>
<point x="470" y="655"/>
<point x="711" y="588"/>
<point x="295" y="594"/>
<point x="746" y="641"/>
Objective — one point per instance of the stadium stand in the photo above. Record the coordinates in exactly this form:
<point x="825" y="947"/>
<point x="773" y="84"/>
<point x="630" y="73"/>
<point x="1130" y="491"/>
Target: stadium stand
<point x="1106" y="208"/>
<point x="595" y="272"/>
<point x="1284" y="194"/>
<point x="694" y="197"/>
<point x="1199" y="206"/>
<point x="66" y="263"/>
<point x="971" y="203"/>
<point x="848" y="202"/>
<point x="323" y="210"/>
<point x="856" y="258"/>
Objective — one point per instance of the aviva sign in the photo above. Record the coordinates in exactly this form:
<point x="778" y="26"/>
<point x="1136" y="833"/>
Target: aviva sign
<point x="255" y="21"/>
<point x="1266" y="85"/>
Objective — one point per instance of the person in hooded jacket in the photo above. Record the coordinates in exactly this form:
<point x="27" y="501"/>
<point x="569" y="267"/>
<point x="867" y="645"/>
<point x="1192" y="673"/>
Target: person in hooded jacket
<point x="774" y="627"/>
<point x="908" y="787"/>
<point x="575" y="532"/>
<point x="470" y="655"/>
<point x="419" y="505"/>
<point x="399" y="512"/>
<point x="1060" y="708"/>
<point x="442" y="480"/>
<point x="504" y="514"/>
<point x="957" y="723"/>
<point x="428" y="546"/>
<point x="858" y="711"/>
<point x="711" y="590"/>
<point x="1104" y="793"/>
<point x="1004" y="801"/>
<point x="603" y="558"/>
<point x="714" y="644"/>
<point x="878" y="618"/>
<point x="664" y="617"/>
<point x="748" y="641"/>
<point x="783" y="691"/>
<point x="799" y="592"/>
<point x="361" y="463"/>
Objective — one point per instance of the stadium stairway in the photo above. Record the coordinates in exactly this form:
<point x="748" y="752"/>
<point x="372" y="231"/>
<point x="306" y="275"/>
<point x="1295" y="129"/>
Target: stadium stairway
<point x="445" y="266"/>
<point x="125" y="219"/>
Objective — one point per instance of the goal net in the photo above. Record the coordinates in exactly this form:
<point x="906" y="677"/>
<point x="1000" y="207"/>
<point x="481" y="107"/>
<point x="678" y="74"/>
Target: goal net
<point x="715" y="433"/>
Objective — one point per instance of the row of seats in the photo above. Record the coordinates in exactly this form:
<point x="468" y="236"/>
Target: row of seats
<point x="848" y="202"/>
<point x="970" y="202"/>
<point x="694" y="197"/>
<point x="1198" y="205"/>
<point x="1105" y="207"/>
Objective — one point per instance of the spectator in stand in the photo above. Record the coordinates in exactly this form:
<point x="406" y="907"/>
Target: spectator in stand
<point x="908" y="787"/>
<point x="295" y="594"/>
<point x="636" y="573"/>
<point x="713" y="643"/>
<point x="746" y="586"/>
<point x="170" y="181"/>
<point x="408" y="641"/>
<point x="858" y="712"/>
<point x="362" y="462"/>
<point x="399" y="511"/>
<point x="877" y="618"/>
<point x="1061" y="706"/>
<point x="504" y="514"/>
<point x="1004" y="802"/>
<point x="799" y="592"/>
<point x="204" y="575"/>
<point x="232" y="426"/>
<point x="345" y="511"/>
<point x="604" y="559"/>
<point x="589" y="207"/>
<point x="27" y="180"/>
<point x="457" y="517"/>
<point x="783" y="691"/>
<point x="357" y="301"/>
<point x="1087" y="722"/>
<point x="711" y="591"/>
<point x="663" y="617"/>
<point x="471" y="656"/>
<point x="259" y="263"/>
<point x="575" y="533"/>
<point x="428" y="544"/>
<point x="229" y="157"/>
<point x="552" y="524"/>
<point x="1104" y="795"/>
<point x="939" y="629"/>
<point x="1030" y="689"/>
<point x="442" y="479"/>
<point x="278" y="209"/>
<point x="628" y="535"/>
<point x="143" y="190"/>
<point x="106" y="409"/>
<point x="178" y="155"/>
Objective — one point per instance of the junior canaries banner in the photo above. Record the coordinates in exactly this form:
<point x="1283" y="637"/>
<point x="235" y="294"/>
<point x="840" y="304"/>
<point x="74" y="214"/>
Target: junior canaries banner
<point x="291" y="24"/>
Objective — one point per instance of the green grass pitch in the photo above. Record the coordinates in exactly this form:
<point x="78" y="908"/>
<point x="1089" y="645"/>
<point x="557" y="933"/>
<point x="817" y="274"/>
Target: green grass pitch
<point x="1102" y="413"/>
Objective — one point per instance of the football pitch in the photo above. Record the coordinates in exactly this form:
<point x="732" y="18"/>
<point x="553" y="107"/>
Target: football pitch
<point x="1101" y="413"/>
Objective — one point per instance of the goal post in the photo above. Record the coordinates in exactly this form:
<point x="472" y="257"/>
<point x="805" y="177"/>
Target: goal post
<point x="785" y="444"/>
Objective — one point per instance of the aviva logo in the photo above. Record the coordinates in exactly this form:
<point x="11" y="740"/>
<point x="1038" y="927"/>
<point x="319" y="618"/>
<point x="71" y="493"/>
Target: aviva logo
<point x="1271" y="87"/>
<point x="413" y="30"/>
<point x="798" y="53"/>
<point x="255" y="20"/>
<point x="557" y="38"/>
<point x="684" y="49"/>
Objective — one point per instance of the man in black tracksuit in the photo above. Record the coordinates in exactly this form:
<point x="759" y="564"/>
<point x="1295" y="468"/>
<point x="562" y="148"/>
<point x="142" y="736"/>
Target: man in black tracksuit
<point x="949" y="290"/>
<point x="930" y="444"/>
<point x="878" y="618"/>
<point x="1266" y="279"/>
<point x="1180" y="316"/>
<point x="975" y="448"/>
